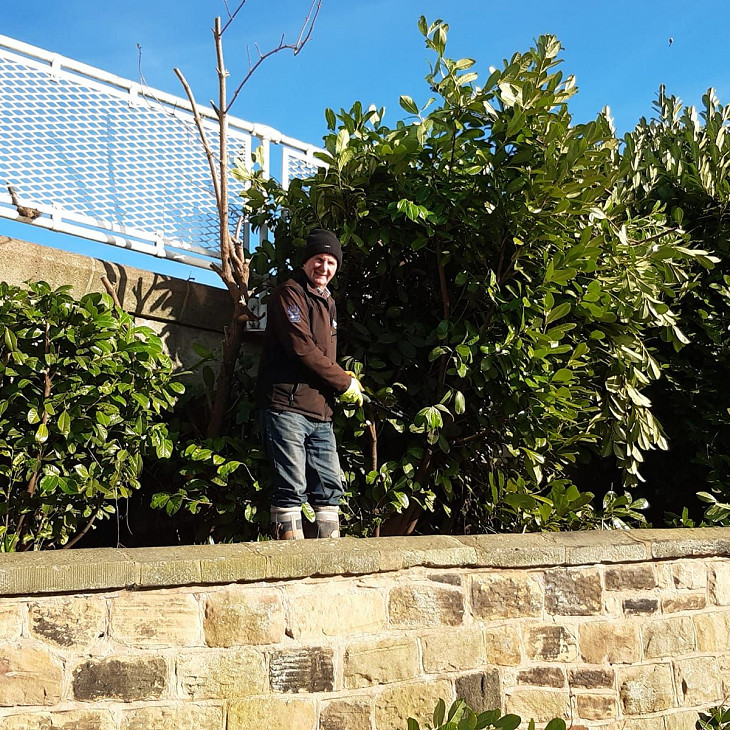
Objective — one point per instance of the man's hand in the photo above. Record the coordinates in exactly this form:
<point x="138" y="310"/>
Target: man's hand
<point x="354" y="393"/>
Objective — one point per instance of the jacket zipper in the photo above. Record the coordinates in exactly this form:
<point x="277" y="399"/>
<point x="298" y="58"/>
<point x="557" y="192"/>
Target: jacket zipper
<point x="292" y="393"/>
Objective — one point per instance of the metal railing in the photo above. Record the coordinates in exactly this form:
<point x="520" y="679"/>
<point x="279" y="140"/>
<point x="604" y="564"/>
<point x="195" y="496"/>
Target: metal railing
<point x="110" y="160"/>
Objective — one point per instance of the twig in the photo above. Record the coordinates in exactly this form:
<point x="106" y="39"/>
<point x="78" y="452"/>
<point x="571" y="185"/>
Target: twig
<point x="232" y="16"/>
<point x="79" y="535"/>
<point x="305" y="34"/>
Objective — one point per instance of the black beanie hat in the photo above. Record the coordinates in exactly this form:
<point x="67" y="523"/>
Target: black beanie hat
<point x="321" y="241"/>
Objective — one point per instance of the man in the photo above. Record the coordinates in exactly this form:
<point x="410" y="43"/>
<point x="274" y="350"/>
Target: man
<point x="297" y="386"/>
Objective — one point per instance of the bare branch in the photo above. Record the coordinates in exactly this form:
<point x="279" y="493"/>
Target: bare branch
<point x="239" y="226"/>
<point x="203" y="137"/>
<point x="305" y="33"/>
<point x="225" y="236"/>
<point x="111" y="291"/>
<point x="232" y="16"/>
<point x="308" y="25"/>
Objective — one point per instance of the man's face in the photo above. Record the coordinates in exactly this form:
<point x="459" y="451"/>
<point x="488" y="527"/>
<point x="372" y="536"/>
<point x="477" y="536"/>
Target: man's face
<point x="320" y="269"/>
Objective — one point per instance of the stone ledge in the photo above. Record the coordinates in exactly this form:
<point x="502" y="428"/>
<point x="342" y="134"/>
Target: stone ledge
<point x="64" y="571"/>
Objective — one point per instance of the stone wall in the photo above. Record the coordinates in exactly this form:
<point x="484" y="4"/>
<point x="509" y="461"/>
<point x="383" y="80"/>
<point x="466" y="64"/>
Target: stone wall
<point x="180" y="312"/>
<point x="606" y="629"/>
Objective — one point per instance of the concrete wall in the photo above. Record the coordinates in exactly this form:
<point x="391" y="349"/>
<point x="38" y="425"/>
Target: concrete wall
<point x="613" y="630"/>
<point x="180" y="312"/>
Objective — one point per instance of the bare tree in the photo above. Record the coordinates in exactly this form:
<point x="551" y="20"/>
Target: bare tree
<point x="234" y="264"/>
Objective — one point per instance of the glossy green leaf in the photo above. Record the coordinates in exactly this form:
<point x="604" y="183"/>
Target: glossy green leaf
<point x="408" y="104"/>
<point x="64" y="423"/>
<point x="41" y="434"/>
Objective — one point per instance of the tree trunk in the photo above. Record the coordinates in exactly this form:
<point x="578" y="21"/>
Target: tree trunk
<point x="231" y="350"/>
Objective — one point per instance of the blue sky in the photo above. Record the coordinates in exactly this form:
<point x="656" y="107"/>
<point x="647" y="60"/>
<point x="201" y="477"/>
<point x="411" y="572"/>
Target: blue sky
<point x="371" y="50"/>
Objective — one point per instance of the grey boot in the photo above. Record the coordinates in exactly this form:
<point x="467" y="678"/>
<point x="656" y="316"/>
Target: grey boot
<point x="327" y="521"/>
<point x="286" y="523"/>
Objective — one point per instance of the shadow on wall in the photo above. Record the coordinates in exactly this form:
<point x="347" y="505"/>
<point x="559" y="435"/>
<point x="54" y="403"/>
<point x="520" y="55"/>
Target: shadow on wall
<point x="182" y="313"/>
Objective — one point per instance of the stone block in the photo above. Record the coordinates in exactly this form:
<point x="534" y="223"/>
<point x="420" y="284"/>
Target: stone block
<point x="712" y="631"/>
<point x="668" y="637"/>
<point x="65" y="571"/>
<point x="454" y="649"/>
<point x="503" y="645"/>
<point x="540" y="705"/>
<point x="542" y="677"/>
<point x="684" y="602"/>
<point x="481" y="690"/>
<point x="720" y="583"/>
<point x="589" y="547"/>
<point x="369" y="663"/>
<point x="640" y="606"/>
<point x="173" y="717"/>
<point x="592" y="678"/>
<point x="29" y="676"/>
<point x="125" y="678"/>
<point x="215" y="674"/>
<point x="689" y="575"/>
<point x="595" y="707"/>
<point x="156" y="620"/>
<point x="396" y="704"/>
<point x="550" y="643"/>
<point x="334" y="557"/>
<point x="686" y="543"/>
<point x="429" y="551"/>
<point x="609" y="642"/>
<point x="724" y="664"/>
<point x="352" y="713"/>
<point x="425" y="605"/>
<point x="573" y="592"/>
<point x="630" y="577"/>
<point x="682" y="720"/>
<point x="302" y="670"/>
<point x="159" y="567"/>
<point x="505" y="595"/>
<point x="68" y="622"/>
<point x="645" y="689"/>
<point x="271" y="712"/>
<point x="244" y="616"/>
<point x="11" y="622"/>
<point x="698" y="682"/>
<point x="354" y="610"/>
<point x="66" y="720"/>
<point x="515" y="551"/>
<point x="644" y="723"/>
<point x="234" y="563"/>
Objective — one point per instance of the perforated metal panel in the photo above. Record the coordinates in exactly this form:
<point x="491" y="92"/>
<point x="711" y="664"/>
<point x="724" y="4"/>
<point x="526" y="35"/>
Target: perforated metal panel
<point x="109" y="160"/>
<point x="299" y="164"/>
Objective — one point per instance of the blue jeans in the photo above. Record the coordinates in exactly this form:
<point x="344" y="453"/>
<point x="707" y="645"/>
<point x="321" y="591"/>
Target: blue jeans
<point x="303" y="453"/>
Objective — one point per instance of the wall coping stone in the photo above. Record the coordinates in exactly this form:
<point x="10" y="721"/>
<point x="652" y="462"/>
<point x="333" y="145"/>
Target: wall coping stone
<point x="96" y="569"/>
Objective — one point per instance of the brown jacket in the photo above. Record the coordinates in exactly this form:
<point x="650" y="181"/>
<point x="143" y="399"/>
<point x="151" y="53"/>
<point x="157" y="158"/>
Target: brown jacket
<point x="298" y="371"/>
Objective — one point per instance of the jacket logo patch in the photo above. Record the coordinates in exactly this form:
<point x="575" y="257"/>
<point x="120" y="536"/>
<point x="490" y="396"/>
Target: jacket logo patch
<point x="293" y="313"/>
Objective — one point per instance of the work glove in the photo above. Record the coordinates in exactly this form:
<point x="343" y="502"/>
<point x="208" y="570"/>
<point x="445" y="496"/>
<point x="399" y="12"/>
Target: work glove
<point x="354" y="393"/>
